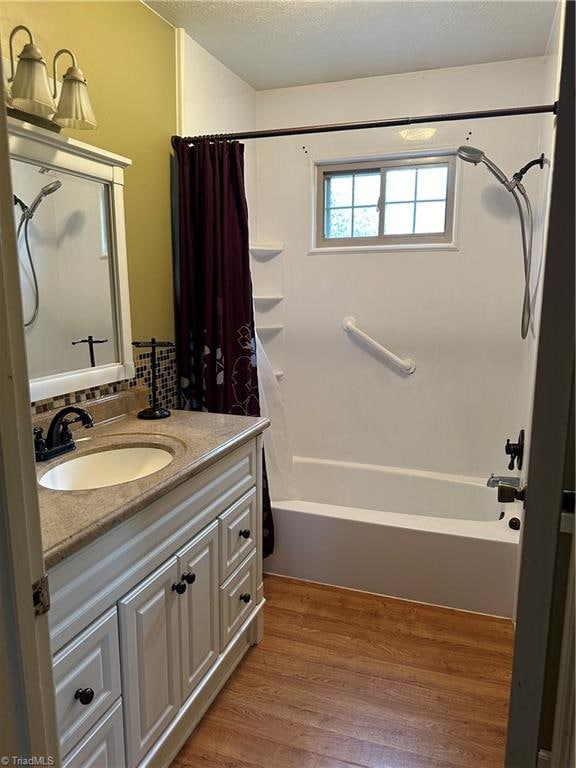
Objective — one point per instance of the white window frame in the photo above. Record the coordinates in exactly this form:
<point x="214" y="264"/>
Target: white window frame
<point x="407" y="241"/>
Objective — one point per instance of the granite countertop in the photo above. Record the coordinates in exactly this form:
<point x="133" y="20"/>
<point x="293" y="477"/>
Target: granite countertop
<point x="72" y="519"/>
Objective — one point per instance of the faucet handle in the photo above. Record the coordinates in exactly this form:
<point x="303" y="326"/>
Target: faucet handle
<point x="515" y="451"/>
<point x="509" y="450"/>
<point x="40" y="447"/>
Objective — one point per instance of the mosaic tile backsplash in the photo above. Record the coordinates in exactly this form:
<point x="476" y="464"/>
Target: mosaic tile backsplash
<point x="166" y="376"/>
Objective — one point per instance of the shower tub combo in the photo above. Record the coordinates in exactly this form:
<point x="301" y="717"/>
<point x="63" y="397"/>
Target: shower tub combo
<point x="417" y="535"/>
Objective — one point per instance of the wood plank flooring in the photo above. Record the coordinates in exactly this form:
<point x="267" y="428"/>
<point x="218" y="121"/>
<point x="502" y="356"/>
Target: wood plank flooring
<point x="345" y="679"/>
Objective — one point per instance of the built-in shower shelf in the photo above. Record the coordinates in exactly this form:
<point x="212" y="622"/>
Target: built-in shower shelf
<point x="266" y="251"/>
<point x="268" y="299"/>
<point x="269" y="328"/>
<point x="279" y="375"/>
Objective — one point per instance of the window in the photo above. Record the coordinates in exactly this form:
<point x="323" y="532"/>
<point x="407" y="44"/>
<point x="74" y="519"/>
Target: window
<point x="401" y="202"/>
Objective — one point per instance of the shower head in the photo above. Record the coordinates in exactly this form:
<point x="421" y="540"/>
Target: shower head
<point x="474" y="155"/>
<point x="470" y="154"/>
<point x="44" y="192"/>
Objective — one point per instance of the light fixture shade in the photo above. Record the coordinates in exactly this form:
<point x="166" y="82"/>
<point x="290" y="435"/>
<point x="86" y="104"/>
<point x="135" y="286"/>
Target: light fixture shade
<point x="31" y="89"/>
<point x="7" y="93"/>
<point x="74" y="108"/>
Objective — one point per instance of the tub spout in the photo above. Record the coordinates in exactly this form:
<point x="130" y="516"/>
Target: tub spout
<point x="494" y="480"/>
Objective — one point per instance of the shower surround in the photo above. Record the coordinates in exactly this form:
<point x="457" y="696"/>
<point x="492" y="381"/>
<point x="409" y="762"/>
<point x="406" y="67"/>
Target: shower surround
<point x="390" y="467"/>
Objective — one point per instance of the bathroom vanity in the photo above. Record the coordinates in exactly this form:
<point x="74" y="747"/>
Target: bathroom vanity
<point x="156" y="586"/>
<point x="152" y="531"/>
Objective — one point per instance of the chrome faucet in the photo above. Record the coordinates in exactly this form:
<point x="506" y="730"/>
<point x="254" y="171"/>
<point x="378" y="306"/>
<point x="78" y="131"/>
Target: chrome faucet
<point x="59" y="439"/>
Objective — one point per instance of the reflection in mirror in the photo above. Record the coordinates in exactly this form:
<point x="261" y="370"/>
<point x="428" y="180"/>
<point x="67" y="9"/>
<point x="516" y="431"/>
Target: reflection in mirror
<point x="66" y="272"/>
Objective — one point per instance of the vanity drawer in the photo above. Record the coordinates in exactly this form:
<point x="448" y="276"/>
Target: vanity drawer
<point x="237" y="534"/>
<point x="104" y="745"/>
<point x="237" y="599"/>
<point x="88" y="667"/>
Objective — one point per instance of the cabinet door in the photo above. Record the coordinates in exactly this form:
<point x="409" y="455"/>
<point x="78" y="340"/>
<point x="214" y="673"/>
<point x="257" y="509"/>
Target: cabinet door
<point x="199" y="614"/>
<point x="150" y="659"/>
<point x="104" y="745"/>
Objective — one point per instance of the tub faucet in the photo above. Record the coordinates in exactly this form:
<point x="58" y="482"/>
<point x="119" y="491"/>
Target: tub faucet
<point x="495" y="480"/>
<point x="59" y="439"/>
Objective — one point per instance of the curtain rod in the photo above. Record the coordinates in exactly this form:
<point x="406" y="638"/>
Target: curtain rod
<point x="359" y="126"/>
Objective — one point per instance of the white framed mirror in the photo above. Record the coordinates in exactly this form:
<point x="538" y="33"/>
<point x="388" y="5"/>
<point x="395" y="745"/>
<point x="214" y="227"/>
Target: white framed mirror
<point x="69" y="216"/>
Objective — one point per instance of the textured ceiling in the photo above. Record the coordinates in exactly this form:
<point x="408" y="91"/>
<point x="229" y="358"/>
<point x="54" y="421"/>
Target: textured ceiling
<point x="278" y="43"/>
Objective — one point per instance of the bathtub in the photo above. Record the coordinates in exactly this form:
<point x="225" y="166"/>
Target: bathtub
<point x="416" y="535"/>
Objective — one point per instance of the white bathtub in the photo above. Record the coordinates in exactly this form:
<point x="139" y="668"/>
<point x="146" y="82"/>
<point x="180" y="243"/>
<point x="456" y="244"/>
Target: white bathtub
<point x="416" y="535"/>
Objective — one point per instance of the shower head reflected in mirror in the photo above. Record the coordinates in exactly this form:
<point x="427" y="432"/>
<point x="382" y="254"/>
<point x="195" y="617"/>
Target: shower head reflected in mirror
<point x="54" y="186"/>
<point x="27" y="214"/>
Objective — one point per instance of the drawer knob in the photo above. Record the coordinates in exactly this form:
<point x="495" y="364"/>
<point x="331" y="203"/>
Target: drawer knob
<point x="85" y="695"/>
<point x="179" y="588"/>
<point x="245" y="597"/>
<point x="189" y="577"/>
<point x="244" y="533"/>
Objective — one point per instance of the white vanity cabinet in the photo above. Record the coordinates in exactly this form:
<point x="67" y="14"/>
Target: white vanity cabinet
<point x="150" y="668"/>
<point x="150" y="619"/>
<point x="169" y="640"/>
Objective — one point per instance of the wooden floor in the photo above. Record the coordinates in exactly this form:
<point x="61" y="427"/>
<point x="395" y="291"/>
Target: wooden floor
<point x="347" y="679"/>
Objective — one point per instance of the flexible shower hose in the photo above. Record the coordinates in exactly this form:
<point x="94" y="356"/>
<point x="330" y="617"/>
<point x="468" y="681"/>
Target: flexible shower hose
<point x="24" y="221"/>
<point x="527" y="250"/>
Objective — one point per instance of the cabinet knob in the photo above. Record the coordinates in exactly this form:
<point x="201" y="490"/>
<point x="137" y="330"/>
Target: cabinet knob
<point x="245" y="597"/>
<point x="189" y="577"/>
<point x="179" y="588"/>
<point x="85" y="695"/>
<point x="244" y="533"/>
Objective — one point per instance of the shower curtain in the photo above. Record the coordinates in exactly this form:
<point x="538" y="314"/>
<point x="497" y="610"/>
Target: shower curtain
<point x="215" y="342"/>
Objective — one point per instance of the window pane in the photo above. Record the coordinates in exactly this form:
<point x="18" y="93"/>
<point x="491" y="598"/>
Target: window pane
<point x="432" y="183"/>
<point x="365" y="222"/>
<point x="338" y="191"/>
<point x="366" y="188"/>
<point x="398" y="218"/>
<point x="400" y="184"/>
<point x="339" y="222"/>
<point x="430" y="217"/>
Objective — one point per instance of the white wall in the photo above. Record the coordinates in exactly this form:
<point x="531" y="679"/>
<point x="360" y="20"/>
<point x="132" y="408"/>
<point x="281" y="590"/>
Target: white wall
<point x="456" y="312"/>
<point x="215" y="100"/>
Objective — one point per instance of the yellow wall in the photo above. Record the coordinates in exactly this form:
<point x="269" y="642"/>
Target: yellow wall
<point x="128" y="55"/>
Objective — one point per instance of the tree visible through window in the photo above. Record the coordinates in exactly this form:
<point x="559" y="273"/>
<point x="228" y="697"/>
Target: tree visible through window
<point x="402" y="201"/>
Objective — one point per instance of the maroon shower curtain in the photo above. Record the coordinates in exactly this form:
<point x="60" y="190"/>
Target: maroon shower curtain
<point x="215" y="343"/>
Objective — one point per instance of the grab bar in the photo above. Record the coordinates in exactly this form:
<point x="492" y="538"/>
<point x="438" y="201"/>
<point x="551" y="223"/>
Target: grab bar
<point x="349" y="325"/>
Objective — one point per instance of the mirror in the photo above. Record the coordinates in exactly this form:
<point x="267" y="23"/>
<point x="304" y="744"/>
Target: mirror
<point x="69" y="218"/>
<point x="65" y="275"/>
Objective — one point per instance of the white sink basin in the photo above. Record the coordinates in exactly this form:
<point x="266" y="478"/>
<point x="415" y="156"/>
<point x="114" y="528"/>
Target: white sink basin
<point x="112" y="467"/>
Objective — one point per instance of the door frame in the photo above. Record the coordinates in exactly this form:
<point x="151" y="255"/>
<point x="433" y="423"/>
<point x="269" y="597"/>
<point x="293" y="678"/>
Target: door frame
<point x="550" y="426"/>
<point x="27" y="707"/>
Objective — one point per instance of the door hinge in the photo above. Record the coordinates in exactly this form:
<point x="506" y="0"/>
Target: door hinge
<point x="41" y="596"/>
<point x="567" y="514"/>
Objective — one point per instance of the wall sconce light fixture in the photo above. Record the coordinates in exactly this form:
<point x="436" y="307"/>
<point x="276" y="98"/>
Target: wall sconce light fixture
<point x="74" y="108"/>
<point x="31" y="93"/>
<point x="30" y="87"/>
